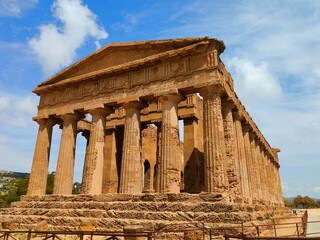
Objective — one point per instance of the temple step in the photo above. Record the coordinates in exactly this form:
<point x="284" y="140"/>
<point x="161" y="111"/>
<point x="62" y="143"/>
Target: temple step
<point x="138" y="206"/>
<point x="113" y="212"/>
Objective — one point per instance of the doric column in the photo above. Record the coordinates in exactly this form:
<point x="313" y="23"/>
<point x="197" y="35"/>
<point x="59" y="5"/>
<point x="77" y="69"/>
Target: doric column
<point x="86" y="135"/>
<point x="192" y="163"/>
<point x="273" y="177"/>
<point x="110" y="171"/>
<point x="158" y="156"/>
<point x="267" y="176"/>
<point x="279" y="189"/>
<point x="93" y="166"/>
<point x="263" y="173"/>
<point x="247" y="148"/>
<point x="275" y="191"/>
<point x="243" y="172"/>
<point x="259" y="169"/>
<point x="169" y="164"/>
<point x="131" y="165"/>
<point x="149" y="156"/>
<point x="231" y="148"/>
<point x="214" y="143"/>
<point x="39" y="171"/>
<point x="280" y="198"/>
<point x="63" y="182"/>
<point x="255" y="166"/>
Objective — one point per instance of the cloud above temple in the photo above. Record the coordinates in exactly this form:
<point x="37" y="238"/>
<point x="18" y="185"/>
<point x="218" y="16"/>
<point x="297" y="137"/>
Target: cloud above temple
<point x="254" y="81"/>
<point x="16" y="111"/>
<point x="15" y="114"/>
<point x="14" y="8"/>
<point x="57" y="43"/>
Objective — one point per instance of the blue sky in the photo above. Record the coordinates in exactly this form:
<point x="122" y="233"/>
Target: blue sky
<point x="273" y="50"/>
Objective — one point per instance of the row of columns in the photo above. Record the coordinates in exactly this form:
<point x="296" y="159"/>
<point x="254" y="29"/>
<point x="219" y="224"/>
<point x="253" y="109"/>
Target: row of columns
<point x="235" y="161"/>
<point x="131" y="166"/>
<point x="252" y="173"/>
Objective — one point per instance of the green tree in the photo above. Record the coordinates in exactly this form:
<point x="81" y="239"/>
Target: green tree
<point x="298" y="201"/>
<point x="16" y="188"/>
<point x="288" y="203"/>
<point x="304" y="202"/>
<point x="19" y="186"/>
<point x="50" y="182"/>
<point x="76" y="188"/>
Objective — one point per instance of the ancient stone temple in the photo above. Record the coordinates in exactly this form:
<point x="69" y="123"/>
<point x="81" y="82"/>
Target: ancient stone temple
<point x="127" y="99"/>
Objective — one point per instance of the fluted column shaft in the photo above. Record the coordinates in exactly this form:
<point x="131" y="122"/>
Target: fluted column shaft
<point x="63" y="182"/>
<point x="280" y="199"/>
<point x="255" y="164"/>
<point x="214" y="143"/>
<point x="231" y="148"/>
<point x="267" y="177"/>
<point x="157" y="168"/>
<point x="243" y="172"/>
<point x="259" y="170"/>
<point x="131" y="166"/>
<point x="273" y="182"/>
<point x="93" y="166"/>
<point x="263" y="174"/>
<point x="110" y="171"/>
<point x="274" y="172"/>
<point x="39" y="171"/>
<point x="247" y="147"/>
<point x="170" y="156"/>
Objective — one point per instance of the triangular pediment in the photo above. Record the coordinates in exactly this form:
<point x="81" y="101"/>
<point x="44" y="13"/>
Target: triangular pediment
<point x="120" y="54"/>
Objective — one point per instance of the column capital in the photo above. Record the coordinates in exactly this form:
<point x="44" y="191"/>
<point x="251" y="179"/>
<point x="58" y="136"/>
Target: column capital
<point x="252" y="135"/>
<point x="133" y="105"/>
<point x="211" y="89"/>
<point x="237" y="115"/>
<point x="176" y="98"/>
<point x="245" y="127"/>
<point x="276" y="150"/>
<point x="227" y="103"/>
<point x="71" y="117"/>
<point x="44" y="121"/>
<point x="101" y="111"/>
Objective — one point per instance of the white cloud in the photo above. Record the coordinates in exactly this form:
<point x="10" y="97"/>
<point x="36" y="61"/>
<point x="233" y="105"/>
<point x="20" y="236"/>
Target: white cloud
<point x="98" y="45"/>
<point x="14" y="8"/>
<point x="273" y="50"/>
<point x="316" y="190"/>
<point x="254" y="81"/>
<point x="56" y="46"/>
<point x="17" y="131"/>
<point x="17" y="111"/>
<point x="4" y="139"/>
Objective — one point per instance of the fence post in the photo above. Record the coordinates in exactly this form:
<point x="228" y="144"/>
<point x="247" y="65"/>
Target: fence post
<point x="274" y="228"/>
<point x="242" y="227"/>
<point x="29" y="235"/>
<point x="131" y="232"/>
<point x="297" y="228"/>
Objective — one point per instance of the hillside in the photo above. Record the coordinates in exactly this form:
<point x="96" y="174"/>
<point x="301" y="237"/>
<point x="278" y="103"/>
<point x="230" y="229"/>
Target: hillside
<point x="6" y="177"/>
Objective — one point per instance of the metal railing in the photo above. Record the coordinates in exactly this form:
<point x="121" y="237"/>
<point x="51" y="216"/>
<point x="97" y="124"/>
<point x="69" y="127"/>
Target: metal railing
<point x="61" y="235"/>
